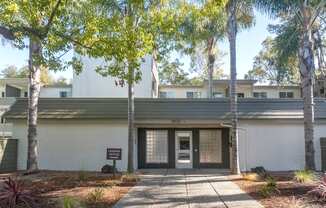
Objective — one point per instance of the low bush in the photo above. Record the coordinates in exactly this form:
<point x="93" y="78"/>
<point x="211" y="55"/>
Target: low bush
<point x="269" y="188"/>
<point x="129" y="178"/>
<point x="295" y="203"/>
<point x="304" y="176"/>
<point x="69" y="202"/>
<point x="14" y="194"/>
<point x="97" y="195"/>
<point x="82" y="175"/>
<point x="320" y="190"/>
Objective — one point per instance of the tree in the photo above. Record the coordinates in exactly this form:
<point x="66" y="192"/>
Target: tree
<point x="300" y="18"/>
<point x="49" y="27"/>
<point x="268" y="66"/>
<point x="13" y="72"/>
<point x="202" y="27"/>
<point x="127" y="31"/>
<point x="239" y="16"/>
<point x="173" y="73"/>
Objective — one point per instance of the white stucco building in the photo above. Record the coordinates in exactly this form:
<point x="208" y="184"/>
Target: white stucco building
<point x="75" y="132"/>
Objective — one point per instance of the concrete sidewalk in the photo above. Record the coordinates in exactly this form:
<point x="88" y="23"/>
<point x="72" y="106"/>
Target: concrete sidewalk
<point x="186" y="188"/>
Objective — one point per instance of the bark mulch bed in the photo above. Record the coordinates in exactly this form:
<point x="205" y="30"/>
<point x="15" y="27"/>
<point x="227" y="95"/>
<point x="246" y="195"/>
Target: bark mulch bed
<point x="291" y="194"/>
<point x="50" y="187"/>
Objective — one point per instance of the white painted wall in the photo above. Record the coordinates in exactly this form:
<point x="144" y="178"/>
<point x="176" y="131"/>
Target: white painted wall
<point x="320" y="131"/>
<point x="91" y="84"/>
<point x="273" y="92"/>
<point x="73" y="145"/>
<point x="181" y="92"/>
<point x="275" y="145"/>
<point x="52" y="92"/>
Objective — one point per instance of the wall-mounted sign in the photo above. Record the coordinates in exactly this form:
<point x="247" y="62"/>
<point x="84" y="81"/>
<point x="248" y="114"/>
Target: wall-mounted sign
<point x="113" y="154"/>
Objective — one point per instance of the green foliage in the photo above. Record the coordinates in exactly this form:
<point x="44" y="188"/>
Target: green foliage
<point x="304" y="176"/>
<point x="270" y="67"/>
<point x="127" y="31"/>
<point x="82" y="175"/>
<point x="269" y="188"/>
<point x="95" y="196"/>
<point x="69" y="202"/>
<point x="13" y="72"/>
<point x="173" y="73"/>
<point x="55" y="24"/>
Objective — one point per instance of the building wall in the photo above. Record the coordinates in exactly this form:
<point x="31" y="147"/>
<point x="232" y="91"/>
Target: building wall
<point x="320" y="131"/>
<point x="276" y="146"/>
<point x="181" y="92"/>
<point x="52" y="92"/>
<point x="273" y="92"/>
<point x="91" y="84"/>
<point x="74" y="145"/>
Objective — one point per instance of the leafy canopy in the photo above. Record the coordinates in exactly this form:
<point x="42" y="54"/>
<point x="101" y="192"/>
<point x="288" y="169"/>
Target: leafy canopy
<point x="56" y="24"/>
<point x="270" y="67"/>
<point x="129" y="30"/>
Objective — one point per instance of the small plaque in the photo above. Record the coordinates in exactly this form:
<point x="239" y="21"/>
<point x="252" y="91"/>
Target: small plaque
<point x="113" y="154"/>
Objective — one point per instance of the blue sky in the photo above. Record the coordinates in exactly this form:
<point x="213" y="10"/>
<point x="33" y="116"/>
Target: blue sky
<point x="248" y="46"/>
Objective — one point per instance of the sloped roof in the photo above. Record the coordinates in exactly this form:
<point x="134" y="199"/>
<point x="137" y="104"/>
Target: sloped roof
<point x="116" y="108"/>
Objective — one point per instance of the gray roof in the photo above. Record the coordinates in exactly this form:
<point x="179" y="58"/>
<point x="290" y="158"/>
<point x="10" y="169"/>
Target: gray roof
<point x="116" y="108"/>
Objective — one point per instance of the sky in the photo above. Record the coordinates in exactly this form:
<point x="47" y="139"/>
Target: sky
<point x="248" y="46"/>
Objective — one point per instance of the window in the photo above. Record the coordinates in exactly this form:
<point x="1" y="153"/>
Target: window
<point x="193" y="94"/>
<point x="63" y="94"/>
<point x="156" y="146"/>
<point x="240" y="95"/>
<point x="322" y="90"/>
<point x="167" y="94"/>
<point x="2" y="94"/>
<point x="217" y="95"/>
<point x="286" y="95"/>
<point x="210" y="146"/>
<point x="25" y="94"/>
<point x="260" y="94"/>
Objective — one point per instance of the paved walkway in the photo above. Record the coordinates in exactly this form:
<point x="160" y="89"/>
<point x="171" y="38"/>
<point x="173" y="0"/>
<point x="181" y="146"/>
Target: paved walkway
<point x="186" y="189"/>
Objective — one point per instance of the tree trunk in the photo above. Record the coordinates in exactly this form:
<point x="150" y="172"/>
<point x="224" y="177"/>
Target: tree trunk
<point x="210" y="67"/>
<point x="232" y="32"/>
<point x="34" y="91"/>
<point x="307" y="69"/>
<point x="131" y="115"/>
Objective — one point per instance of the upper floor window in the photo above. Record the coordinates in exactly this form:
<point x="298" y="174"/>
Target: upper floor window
<point x="167" y="94"/>
<point x="63" y="94"/>
<point x="25" y="94"/>
<point x="3" y="94"/>
<point x="240" y="95"/>
<point x="193" y="94"/>
<point x="286" y="95"/>
<point x="218" y="95"/>
<point x="260" y="94"/>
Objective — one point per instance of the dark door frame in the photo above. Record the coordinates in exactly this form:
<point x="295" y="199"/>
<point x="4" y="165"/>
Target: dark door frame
<point x="171" y="149"/>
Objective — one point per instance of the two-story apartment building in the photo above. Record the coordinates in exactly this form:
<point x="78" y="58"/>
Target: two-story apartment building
<point x="245" y="88"/>
<point x="75" y="132"/>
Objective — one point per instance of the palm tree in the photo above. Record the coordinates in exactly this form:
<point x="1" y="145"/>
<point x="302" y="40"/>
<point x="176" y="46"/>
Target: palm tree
<point x="239" y="14"/>
<point x="305" y="13"/>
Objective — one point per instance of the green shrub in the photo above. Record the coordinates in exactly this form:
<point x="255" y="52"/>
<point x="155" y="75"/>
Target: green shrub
<point x="69" y="202"/>
<point x="269" y="188"/>
<point x="82" y="175"/>
<point x="95" y="196"/>
<point x="129" y="178"/>
<point x="304" y="176"/>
